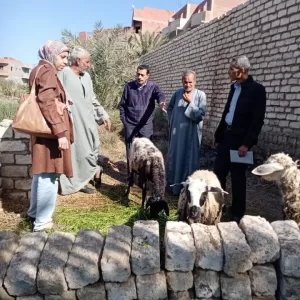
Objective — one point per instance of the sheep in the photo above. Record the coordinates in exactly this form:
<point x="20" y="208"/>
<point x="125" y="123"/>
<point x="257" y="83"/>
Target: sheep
<point x="201" y="199"/>
<point x="148" y="162"/>
<point x="281" y="169"/>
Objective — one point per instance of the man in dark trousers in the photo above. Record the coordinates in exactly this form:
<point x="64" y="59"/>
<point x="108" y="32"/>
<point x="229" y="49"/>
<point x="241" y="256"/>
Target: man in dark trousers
<point x="241" y="123"/>
<point x="137" y="107"/>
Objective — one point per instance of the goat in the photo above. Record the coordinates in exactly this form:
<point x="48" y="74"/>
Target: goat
<point x="201" y="199"/>
<point x="281" y="169"/>
<point x="148" y="163"/>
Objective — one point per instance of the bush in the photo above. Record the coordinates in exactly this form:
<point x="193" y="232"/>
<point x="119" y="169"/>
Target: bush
<point x="113" y="62"/>
<point x="9" y="88"/>
<point x="115" y="55"/>
<point x="8" y="109"/>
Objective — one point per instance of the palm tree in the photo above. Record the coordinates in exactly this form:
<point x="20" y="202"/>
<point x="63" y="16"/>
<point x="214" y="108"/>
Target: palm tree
<point x="143" y="43"/>
<point x="113" y="61"/>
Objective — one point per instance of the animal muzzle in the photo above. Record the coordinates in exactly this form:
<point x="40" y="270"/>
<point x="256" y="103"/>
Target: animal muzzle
<point x="194" y="212"/>
<point x="156" y="206"/>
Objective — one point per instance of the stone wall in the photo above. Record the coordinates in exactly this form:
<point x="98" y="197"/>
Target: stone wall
<point x="254" y="260"/>
<point x="15" y="163"/>
<point x="268" y="32"/>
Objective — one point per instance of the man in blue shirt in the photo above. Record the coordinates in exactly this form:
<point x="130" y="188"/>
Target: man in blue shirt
<point x="137" y="107"/>
<point x="240" y="125"/>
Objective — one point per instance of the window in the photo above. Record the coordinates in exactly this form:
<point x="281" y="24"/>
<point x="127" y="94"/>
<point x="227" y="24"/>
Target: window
<point x="137" y="29"/>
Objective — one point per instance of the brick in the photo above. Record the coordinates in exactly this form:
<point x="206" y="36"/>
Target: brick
<point x="115" y="264"/>
<point x="19" y="135"/>
<point x="9" y="146"/>
<point x="20" y="278"/>
<point x="14" y="171"/>
<point x="23" y="159"/>
<point x="180" y="251"/>
<point x="7" y="183"/>
<point x="263" y="280"/>
<point x="82" y="265"/>
<point x="16" y="196"/>
<point x="7" y="158"/>
<point x="291" y="117"/>
<point x="24" y="185"/>
<point x="295" y="125"/>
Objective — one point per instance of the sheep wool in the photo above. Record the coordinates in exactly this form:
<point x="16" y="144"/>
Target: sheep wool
<point x="211" y="202"/>
<point x="281" y="169"/>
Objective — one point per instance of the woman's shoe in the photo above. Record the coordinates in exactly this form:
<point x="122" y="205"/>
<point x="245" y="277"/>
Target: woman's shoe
<point x="50" y="226"/>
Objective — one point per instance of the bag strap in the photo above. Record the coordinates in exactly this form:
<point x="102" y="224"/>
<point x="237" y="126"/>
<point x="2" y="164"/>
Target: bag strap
<point x="33" y="88"/>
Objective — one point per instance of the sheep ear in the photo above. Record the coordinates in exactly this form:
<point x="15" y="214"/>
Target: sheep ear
<point x="216" y="189"/>
<point x="267" y="169"/>
<point x="187" y="182"/>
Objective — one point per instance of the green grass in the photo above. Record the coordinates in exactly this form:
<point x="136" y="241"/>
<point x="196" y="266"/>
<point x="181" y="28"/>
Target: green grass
<point x="108" y="209"/>
<point x="8" y="109"/>
<point x="101" y="218"/>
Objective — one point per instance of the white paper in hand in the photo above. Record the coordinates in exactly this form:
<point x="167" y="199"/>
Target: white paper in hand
<point x="247" y="159"/>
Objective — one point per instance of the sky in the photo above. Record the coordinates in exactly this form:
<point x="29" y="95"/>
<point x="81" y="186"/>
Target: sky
<point x="26" y="25"/>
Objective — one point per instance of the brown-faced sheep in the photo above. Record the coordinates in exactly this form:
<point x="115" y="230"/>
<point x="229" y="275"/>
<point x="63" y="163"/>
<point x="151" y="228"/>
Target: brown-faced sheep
<point x="148" y="162"/>
<point x="201" y="199"/>
<point x="281" y="169"/>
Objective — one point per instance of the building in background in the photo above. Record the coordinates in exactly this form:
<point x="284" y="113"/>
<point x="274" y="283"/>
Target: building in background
<point x="85" y="36"/>
<point x="150" y="19"/>
<point x="171" y="23"/>
<point x="12" y="69"/>
<point x="192" y="15"/>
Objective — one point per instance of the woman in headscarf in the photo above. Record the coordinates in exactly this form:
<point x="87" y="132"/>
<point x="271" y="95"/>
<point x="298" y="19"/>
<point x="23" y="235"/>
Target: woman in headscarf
<point x="50" y="157"/>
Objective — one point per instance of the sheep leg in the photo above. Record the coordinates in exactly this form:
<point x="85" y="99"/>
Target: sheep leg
<point x="144" y="193"/>
<point x="130" y="184"/>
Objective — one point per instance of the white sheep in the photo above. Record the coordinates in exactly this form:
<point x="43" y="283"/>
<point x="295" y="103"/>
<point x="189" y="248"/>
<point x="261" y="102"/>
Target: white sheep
<point x="201" y="199"/>
<point x="148" y="162"/>
<point x="281" y="169"/>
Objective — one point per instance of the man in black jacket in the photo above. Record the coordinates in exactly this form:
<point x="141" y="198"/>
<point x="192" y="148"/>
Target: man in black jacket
<point x="241" y="123"/>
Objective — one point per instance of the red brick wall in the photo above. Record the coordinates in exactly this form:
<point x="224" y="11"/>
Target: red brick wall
<point x="152" y="26"/>
<point x="220" y="7"/>
<point x="83" y="36"/>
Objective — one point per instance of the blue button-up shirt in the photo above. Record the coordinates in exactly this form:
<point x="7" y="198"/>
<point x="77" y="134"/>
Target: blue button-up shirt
<point x="234" y="100"/>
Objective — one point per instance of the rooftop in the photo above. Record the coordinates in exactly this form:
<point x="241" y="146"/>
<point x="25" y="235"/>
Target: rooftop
<point x="147" y="13"/>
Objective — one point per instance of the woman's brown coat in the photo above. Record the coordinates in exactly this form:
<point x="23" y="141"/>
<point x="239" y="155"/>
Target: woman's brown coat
<point x="46" y="157"/>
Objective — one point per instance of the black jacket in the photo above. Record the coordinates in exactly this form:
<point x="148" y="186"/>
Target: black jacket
<point x="248" y="117"/>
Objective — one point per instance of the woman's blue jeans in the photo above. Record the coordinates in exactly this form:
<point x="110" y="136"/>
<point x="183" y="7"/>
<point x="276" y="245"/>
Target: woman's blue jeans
<point x="44" y="189"/>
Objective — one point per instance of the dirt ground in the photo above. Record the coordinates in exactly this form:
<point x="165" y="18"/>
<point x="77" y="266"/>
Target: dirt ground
<point x="263" y="198"/>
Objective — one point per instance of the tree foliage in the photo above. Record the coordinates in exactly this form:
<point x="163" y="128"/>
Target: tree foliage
<point x="113" y="61"/>
<point x="115" y="55"/>
<point x="142" y="43"/>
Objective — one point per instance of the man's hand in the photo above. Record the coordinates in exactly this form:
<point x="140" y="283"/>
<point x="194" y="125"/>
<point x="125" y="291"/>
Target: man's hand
<point x="163" y="106"/>
<point x="242" y="151"/>
<point x="107" y="124"/>
<point x="187" y="97"/>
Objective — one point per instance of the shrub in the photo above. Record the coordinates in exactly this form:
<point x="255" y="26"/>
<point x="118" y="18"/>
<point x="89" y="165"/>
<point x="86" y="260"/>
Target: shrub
<point x="8" y="109"/>
<point x="9" y="88"/>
